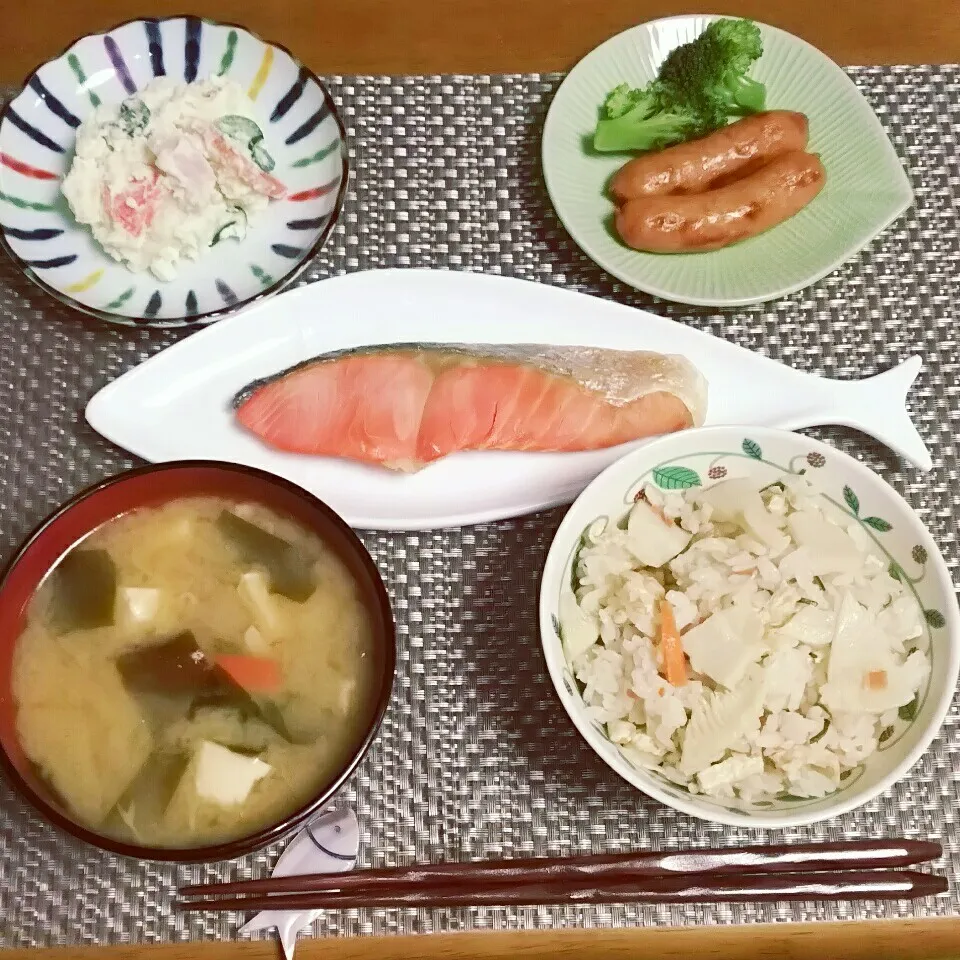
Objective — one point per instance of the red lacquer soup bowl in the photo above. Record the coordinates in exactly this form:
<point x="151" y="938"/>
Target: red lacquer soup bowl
<point x="153" y="486"/>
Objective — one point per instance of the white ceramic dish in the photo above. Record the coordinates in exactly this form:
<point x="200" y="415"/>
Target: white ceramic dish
<point x="177" y="404"/>
<point x="853" y="491"/>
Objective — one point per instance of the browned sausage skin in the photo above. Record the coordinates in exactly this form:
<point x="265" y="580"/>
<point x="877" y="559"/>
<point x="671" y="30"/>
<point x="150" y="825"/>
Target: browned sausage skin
<point x="720" y="157"/>
<point x="718" y="218"/>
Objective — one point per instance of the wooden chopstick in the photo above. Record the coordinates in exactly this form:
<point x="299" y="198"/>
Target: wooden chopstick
<point x="774" y="858"/>
<point x="691" y="888"/>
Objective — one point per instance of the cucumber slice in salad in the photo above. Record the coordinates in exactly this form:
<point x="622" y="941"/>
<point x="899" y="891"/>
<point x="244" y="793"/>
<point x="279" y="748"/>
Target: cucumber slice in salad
<point x="261" y="157"/>
<point x="244" y="131"/>
<point x="134" y="116"/>
<point x="241" y="129"/>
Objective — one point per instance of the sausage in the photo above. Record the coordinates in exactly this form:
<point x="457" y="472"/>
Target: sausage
<point x="718" y="218"/>
<point x="727" y="154"/>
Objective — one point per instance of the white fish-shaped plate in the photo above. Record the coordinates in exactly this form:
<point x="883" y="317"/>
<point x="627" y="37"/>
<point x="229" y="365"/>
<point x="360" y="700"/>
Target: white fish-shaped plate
<point x="177" y="405"/>
<point x="328" y="844"/>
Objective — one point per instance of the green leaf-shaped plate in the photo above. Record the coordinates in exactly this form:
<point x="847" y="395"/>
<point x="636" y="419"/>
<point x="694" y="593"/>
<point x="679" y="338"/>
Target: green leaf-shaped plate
<point x="866" y="185"/>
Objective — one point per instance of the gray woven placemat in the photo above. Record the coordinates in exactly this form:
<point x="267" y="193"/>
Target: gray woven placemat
<point x="476" y="757"/>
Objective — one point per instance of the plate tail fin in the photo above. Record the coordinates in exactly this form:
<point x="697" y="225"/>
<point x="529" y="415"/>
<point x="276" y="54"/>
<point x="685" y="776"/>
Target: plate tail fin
<point x="878" y="406"/>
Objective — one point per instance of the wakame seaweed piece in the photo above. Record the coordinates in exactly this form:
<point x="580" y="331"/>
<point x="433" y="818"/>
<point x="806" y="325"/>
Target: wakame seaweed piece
<point x="174" y="666"/>
<point x="84" y="590"/>
<point x="291" y="575"/>
<point x="153" y="787"/>
<point x="252" y="742"/>
<point x="134" y="116"/>
<point x="241" y="129"/>
<point x="226" y="699"/>
<point x="162" y="710"/>
<point x="272" y="716"/>
<point x="243" y="751"/>
<point x="234" y="697"/>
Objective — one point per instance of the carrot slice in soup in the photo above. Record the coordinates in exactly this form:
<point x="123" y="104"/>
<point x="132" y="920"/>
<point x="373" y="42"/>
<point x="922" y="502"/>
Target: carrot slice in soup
<point x="251" y="673"/>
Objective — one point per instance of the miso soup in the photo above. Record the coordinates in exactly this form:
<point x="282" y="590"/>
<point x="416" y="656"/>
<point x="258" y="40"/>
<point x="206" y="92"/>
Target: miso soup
<point x="194" y="672"/>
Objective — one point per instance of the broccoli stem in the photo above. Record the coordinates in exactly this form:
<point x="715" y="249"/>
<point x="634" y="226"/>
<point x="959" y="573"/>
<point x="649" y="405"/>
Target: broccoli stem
<point x="750" y="96"/>
<point x="637" y="131"/>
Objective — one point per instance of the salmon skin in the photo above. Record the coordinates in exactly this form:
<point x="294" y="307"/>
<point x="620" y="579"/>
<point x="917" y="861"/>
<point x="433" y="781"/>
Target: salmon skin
<point x="405" y="405"/>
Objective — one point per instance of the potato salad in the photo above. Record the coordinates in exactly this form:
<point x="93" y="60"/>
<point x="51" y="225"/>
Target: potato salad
<point x="171" y="172"/>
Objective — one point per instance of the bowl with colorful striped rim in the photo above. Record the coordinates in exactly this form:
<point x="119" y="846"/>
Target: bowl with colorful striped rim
<point x="37" y="135"/>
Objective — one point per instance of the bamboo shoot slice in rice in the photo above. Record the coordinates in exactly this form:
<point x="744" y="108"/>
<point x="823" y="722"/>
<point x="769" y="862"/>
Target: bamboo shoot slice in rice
<point x="764" y="526"/>
<point x="902" y="617"/>
<point x="827" y="547"/>
<point x="580" y="630"/>
<point x="794" y="728"/>
<point x="810" y="625"/>
<point x="729" y="771"/>
<point x="654" y="540"/>
<point x="852" y="646"/>
<point x="726" y="644"/>
<point x="738" y="500"/>
<point x="719" y="720"/>
<point x="728" y="498"/>
<point x="864" y="673"/>
<point x="786" y="674"/>
<point x="644" y="751"/>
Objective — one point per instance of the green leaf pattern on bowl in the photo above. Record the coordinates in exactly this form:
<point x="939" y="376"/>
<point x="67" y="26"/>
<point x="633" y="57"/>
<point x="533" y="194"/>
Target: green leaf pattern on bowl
<point x="851" y="500"/>
<point x="676" y="478"/>
<point x="752" y="449"/>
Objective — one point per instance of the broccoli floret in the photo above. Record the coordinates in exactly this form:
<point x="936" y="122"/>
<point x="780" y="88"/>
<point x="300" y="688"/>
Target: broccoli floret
<point x="741" y="40"/>
<point x="710" y="73"/>
<point x="700" y="86"/>
<point x="622" y="100"/>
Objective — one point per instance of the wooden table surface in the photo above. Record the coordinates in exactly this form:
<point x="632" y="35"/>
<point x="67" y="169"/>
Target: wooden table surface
<point x="484" y="36"/>
<point x="880" y="940"/>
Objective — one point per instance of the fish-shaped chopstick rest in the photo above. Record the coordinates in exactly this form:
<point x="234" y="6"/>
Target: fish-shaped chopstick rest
<point x="327" y="844"/>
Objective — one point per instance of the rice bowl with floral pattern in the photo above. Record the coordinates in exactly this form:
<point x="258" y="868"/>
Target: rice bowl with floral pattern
<point x="292" y="138"/>
<point x="750" y="626"/>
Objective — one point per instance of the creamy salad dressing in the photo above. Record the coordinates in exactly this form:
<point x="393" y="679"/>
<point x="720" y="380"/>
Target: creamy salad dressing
<point x="171" y="172"/>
